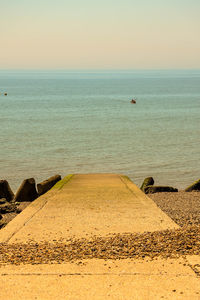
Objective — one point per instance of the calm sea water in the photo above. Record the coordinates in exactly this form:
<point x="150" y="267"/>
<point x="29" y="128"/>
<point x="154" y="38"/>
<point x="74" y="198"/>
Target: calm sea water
<point x="82" y="122"/>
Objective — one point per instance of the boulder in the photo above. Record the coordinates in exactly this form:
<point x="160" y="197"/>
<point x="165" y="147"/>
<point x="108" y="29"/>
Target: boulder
<point x="5" y="190"/>
<point x="27" y="191"/>
<point x="195" y="186"/>
<point x="2" y="224"/>
<point x="46" y="185"/>
<point x="7" y="208"/>
<point x="151" y="189"/>
<point x="3" y="200"/>
<point x="146" y="182"/>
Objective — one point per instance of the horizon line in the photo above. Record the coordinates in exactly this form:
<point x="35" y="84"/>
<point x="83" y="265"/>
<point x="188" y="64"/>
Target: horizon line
<point x="99" y="69"/>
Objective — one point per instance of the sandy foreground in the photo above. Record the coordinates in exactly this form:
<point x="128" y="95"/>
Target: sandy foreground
<point x="127" y="249"/>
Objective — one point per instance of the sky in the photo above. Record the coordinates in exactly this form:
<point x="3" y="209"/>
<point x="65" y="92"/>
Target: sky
<point x="99" y="34"/>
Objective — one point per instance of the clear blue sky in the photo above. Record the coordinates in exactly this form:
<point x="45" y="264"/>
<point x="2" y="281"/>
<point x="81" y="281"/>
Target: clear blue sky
<point x="107" y="34"/>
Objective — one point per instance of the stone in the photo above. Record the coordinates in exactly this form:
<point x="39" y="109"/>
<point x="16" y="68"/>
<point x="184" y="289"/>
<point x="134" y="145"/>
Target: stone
<point x="7" y="208"/>
<point x="195" y="186"/>
<point x="27" y="191"/>
<point x="5" y="190"/>
<point x="146" y="182"/>
<point x="151" y="189"/>
<point x="2" y="223"/>
<point x="3" y="200"/>
<point x="46" y="185"/>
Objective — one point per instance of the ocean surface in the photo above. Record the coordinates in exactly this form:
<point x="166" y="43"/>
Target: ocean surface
<point x="83" y="122"/>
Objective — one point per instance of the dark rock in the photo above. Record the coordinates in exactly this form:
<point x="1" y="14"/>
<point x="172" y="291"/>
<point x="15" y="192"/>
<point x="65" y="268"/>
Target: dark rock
<point x="1" y="217"/>
<point x="3" y="200"/>
<point x="7" y="208"/>
<point x="46" y="185"/>
<point x="151" y="189"/>
<point x="18" y="210"/>
<point x="27" y="191"/>
<point x="5" y="190"/>
<point x="2" y="223"/>
<point x="146" y="182"/>
<point x="193" y="187"/>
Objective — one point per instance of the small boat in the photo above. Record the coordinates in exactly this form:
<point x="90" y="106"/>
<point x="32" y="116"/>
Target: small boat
<point x="133" y="101"/>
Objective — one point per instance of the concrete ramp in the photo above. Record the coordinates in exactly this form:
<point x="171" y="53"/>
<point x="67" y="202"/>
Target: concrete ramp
<point x="99" y="280"/>
<point x="84" y="206"/>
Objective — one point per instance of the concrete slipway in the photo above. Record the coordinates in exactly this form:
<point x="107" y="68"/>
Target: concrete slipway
<point x="84" y="206"/>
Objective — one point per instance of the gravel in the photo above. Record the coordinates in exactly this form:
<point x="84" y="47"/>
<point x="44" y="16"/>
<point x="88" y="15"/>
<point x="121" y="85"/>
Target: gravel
<point x="166" y="244"/>
<point x="182" y="207"/>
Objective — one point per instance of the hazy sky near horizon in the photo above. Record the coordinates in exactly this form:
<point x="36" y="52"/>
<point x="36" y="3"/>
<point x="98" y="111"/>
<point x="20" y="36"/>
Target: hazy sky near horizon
<point x="104" y="34"/>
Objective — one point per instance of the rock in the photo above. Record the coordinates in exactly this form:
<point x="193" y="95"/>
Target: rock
<point x="1" y="217"/>
<point x="5" y="190"/>
<point x="151" y="189"/>
<point x="27" y="191"/>
<point x="3" y="200"/>
<point x="18" y="210"/>
<point x="7" y="208"/>
<point x="193" y="187"/>
<point x="2" y="223"/>
<point x="46" y="185"/>
<point x="146" y="182"/>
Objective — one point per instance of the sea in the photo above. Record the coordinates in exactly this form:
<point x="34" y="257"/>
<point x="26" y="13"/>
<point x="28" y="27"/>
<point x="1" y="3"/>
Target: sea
<point x="82" y="121"/>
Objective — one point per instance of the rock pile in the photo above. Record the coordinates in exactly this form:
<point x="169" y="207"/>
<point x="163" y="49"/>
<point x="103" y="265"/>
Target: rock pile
<point x="148" y="187"/>
<point x="10" y="204"/>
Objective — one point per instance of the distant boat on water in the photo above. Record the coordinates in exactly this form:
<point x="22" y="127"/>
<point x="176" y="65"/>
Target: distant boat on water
<point x="133" y="101"/>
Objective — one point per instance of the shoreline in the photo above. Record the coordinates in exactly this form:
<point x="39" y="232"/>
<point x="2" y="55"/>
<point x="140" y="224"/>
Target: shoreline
<point x="137" y="180"/>
<point x="182" y="207"/>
